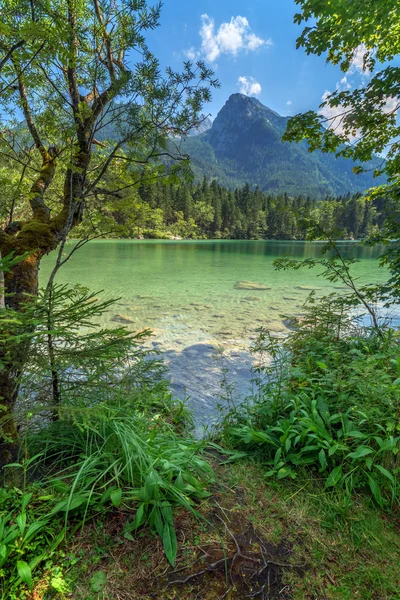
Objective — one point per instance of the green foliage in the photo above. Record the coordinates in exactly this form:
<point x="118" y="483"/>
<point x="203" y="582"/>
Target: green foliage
<point x="107" y="437"/>
<point x="29" y="535"/>
<point x="364" y="119"/>
<point x="72" y="359"/>
<point x="120" y="456"/>
<point x="38" y="46"/>
<point x="344" y="30"/>
<point x="330" y="407"/>
<point x="8" y="262"/>
<point x="208" y="210"/>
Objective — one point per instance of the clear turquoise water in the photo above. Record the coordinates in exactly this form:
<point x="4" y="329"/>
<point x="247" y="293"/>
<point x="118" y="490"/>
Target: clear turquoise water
<point x="186" y="292"/>
<point x="187" y="289"/>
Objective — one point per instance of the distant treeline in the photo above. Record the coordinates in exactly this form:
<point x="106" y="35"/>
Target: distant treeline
<point x="208" y="210"/>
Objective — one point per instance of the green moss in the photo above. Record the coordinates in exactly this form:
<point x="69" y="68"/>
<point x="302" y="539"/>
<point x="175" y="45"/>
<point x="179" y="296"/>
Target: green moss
<point x="36" y="235"/>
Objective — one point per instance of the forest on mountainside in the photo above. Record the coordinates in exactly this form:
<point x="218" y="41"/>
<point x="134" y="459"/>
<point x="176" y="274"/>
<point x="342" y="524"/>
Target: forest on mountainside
<point x="207" y="210"/>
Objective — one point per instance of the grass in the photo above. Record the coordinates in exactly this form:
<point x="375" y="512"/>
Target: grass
<point x="309" y="544"/>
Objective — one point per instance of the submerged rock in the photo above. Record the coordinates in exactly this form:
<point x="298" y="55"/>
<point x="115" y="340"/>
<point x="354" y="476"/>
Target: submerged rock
<point x="122" y="319"/>
<point x="253" y="298"/>
<point x="250" y="285"/>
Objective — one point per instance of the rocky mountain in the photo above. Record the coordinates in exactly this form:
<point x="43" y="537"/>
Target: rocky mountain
<point x="244" y="144"/>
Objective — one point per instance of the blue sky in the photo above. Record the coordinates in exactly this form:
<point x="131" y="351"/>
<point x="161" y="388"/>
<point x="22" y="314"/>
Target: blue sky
<point x="252" y="47"/>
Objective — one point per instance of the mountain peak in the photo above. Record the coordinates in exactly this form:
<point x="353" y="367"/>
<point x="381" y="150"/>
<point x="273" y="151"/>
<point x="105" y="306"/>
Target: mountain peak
<point x="245" y="144"/>
<point x="242" y="116"/>
<point x="237" y="97"/>
<point x="241" y="101"/>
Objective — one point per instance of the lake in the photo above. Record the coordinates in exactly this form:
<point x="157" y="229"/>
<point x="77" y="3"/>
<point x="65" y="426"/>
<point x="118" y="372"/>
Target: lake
<point x="189" y="293"/>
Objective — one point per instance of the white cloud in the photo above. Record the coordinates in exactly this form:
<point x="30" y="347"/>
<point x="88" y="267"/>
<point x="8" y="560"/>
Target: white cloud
<point x="249" y="86"/>
<point x="334" y="115"/>
<point x="191" y="53"/>
<point x="343" y="84"/>
<point x="357" y="62"/>
<point x="254" y="42"/>
<point x="391" y="105"/>
<point x="289" y="103"/>
<point x="230" y="38"/>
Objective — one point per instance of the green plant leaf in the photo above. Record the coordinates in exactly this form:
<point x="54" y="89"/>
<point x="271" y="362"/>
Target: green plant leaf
<point x="270" y="473"/>
<point x="34" y="528"/>
<point x="322" y="459"/>
<point x="25" y="573"/>
<point x="140" y="518"/>
<point x="235" y="456"/>
<point x="355" y="434"/>
<point x="333" y="449"/>
<point x="284" y="472"/>
<point x="170" y="543"/>
<point x="26" y="499"/>
<point x="334" y="477"/>
<point x="21" y="522"/>
<point x="375" y="489"/>
<point x="167" y="513"/>
<point x="70" y="504"/>
<point x="116" y="497"/>
<point x="385" y="472"/>
<point x="360" y="452"/>
<point x="156" y="521"/>
<point x="3" y="551"/>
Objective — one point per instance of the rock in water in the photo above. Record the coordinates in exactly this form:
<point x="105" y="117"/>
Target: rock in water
<point x="250" y="285"/>
<point x="122" y="319"/>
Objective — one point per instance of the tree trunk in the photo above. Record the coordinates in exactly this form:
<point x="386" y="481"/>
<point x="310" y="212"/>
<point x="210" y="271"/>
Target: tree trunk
<point x="2" y="300"/>
<point x="21" y="287"/>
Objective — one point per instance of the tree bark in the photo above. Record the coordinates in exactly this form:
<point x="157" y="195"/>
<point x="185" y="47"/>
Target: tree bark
<point x="21" y="286"/>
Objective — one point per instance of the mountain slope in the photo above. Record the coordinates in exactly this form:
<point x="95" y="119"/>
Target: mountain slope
<point x="244" y="144"/>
